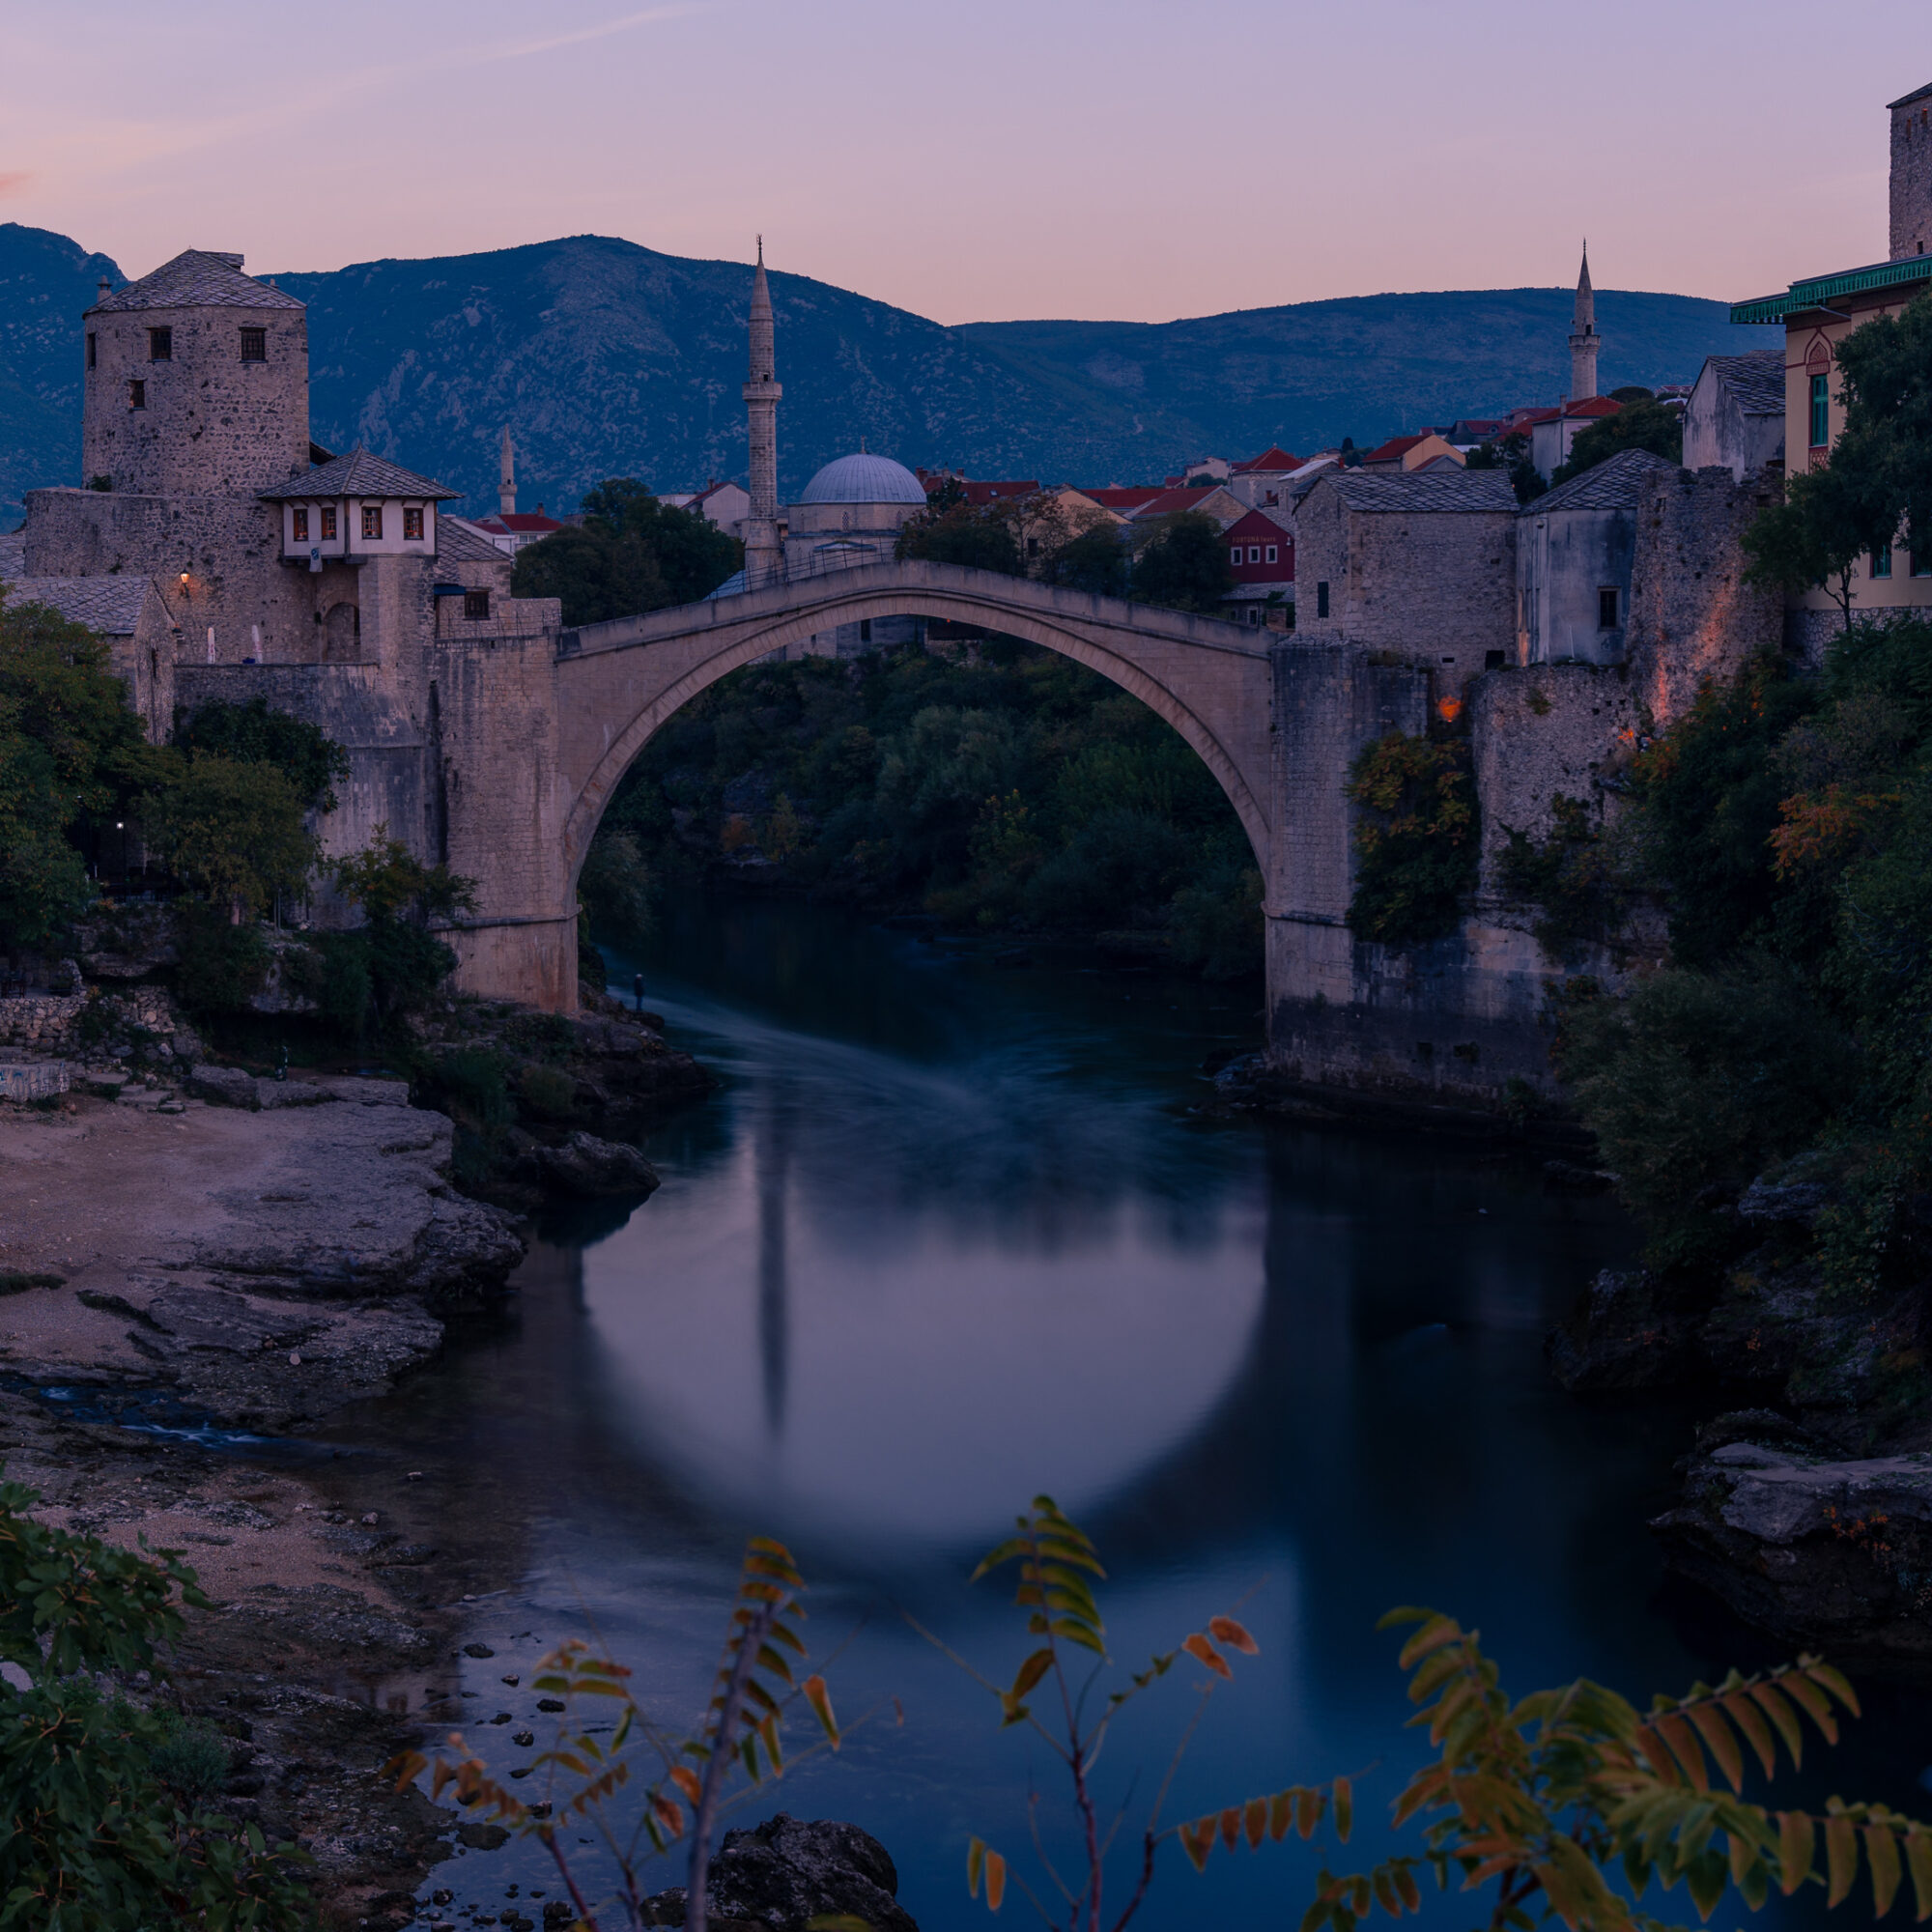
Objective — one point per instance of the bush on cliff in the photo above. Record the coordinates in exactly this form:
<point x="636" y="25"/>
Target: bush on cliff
<point x="1415" y="839"/>
<point x="392" y="964"/>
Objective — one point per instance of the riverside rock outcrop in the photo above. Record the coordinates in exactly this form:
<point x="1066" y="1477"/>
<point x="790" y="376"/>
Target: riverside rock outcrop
<point x="781" y="1875"/>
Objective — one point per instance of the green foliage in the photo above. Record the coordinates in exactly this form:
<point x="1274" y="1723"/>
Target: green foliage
<point x="615" y="887"/>
<point x="66" y="734"/>
<point x="1058" y="1568"/>
<point x="1641" y="424"/>
<point x="103" y="1829"/>
<point x="1571" y="875"/>
<point x="959" y="533"/>
<point x="548" y="1092"/>
<point x="251" y="735"/>
<point x="585" y="1778"/>
<point x="1094" y="561"/>
<point x="632" y="553"/>
<point x="1416" y="842"/>
<point x="1552" y="1800"/>
<point x="386" y="880"/>
<point x="1020" y="791"/>
<point x="220" y="963"/>
<point x="1182" y="565"/>
<point x="233" y="831"/>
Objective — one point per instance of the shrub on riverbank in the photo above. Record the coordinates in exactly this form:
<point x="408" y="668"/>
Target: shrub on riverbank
<point x="1011" y="791"/>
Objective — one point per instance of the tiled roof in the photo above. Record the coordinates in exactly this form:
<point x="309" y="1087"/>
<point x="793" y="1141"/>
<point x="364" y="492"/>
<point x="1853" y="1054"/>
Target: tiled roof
<point x="1000" y="490"/>
<point x="1757" y="380"/>
<point x="1415" y="491"/>
<point x="520" y="523"/>
<point x="1592" y="406"/>
<point x="1273" y="460"/>
<point x="1263" y="526"/>
<point x="1393" y="450"/>
<point x="358" y="474"/>
<point x="109" y="605"/>
<point x="460" y="541"/>
<point x="1611" y="485"/>
<point x="1165" y="502"/>
<point x="1916" y="94"/>
<point x="197" y="279"/>
<point x="1128" y="498"/>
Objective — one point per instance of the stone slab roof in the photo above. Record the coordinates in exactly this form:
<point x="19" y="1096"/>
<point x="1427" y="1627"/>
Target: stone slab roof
<point x="197" y="279"/>
<point x="109" y="605"/>
<point x="1757" y="380"/>
<point x="1611" y="485"/>
<point x="459" y="541"/>
<point x="1408" y="493"/>
<point x="1916" y="94"/>
<point x="358" y="474"/>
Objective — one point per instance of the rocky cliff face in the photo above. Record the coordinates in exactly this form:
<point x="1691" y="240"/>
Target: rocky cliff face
<point x="610" y="360"/>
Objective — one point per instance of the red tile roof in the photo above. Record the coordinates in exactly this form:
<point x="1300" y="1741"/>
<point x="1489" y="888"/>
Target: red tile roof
<point x="1593" y="406"/>
<point x="1002" y="490"/>
<point x="1273" y="458"/>
<point x="1165" y="502"/>
<point x="1118" y="499"/>
<point x="519" y="519"/>
<point x="1393" y="450"/>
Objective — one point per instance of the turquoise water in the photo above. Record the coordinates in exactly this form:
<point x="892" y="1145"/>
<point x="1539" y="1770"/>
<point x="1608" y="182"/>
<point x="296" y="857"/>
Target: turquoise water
<point x="948" y="1236"/>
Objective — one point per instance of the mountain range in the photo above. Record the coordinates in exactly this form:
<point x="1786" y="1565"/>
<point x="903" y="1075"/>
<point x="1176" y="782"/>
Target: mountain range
<point x="611" y="359"/>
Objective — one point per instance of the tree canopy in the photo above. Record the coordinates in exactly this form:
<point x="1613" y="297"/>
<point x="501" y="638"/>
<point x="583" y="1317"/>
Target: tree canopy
<point x="1182" y="565"/>
<point x="1641" y="424"/>
<point x="630" y="554"/>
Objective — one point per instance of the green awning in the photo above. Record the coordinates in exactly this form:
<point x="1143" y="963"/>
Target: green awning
<point x="1823" y="289"/>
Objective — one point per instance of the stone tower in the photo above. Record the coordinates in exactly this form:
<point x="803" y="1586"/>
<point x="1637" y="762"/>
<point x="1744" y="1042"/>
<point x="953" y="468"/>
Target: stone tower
<point x="1911" y="174"/>
<point x="506" y="477"/>
<point x="196" y="382"/>
<point x="764" y="556"/>
<point x="1584" y="341"/>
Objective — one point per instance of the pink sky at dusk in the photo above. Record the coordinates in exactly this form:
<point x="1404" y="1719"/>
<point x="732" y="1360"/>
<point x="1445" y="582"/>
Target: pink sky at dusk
<point x="1006" y="158"/>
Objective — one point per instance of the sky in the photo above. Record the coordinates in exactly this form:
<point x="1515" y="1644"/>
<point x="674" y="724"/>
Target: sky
<point x="1000" y="159"/>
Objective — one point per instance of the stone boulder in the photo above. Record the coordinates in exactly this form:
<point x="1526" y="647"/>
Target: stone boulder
<point x="591" y="1168"/>
<point x="781" y="1875"/>
<point x="1630" y="1332"/>
<point x="223" y="1086"/>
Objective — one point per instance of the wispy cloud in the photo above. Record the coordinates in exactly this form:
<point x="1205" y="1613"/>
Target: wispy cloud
<point x="516" y="49"/>
<point x="13" y="184"/>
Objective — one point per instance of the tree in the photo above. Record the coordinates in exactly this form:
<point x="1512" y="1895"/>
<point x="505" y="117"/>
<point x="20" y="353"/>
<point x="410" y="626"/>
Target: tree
<point x="1181" y="563"/>
<point x="1094" y="561"/>
<point x="392" y="964"/>
<point x="974" y="538"/>
<point x="1637" y="425"/>
<point x="1878" y="483"/>
<point x="252" y="734"/>
<point x="1511" y="453"/>
<point x="233" y="831"/>
<point x="1416" y="849"/>
<point x="630" y="554"/>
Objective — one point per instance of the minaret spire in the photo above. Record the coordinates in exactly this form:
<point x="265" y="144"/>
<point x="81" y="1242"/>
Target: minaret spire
<point x="1584" y="341"/>
<point x="764" y="557"/>
<point x="506" y="480"/>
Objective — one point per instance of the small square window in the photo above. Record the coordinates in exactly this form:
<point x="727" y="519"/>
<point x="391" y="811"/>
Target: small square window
<point x="1606" y="610"/>
<point x="1254" y="552"/>
<point x="412" y="526"/>
<point x="1235" y="554"/>
<point x="302" y="523"/>
<point x="329" y="523"/>
<point x="254" y="345"/>
<point x="92" y="350"/>
<point x="137" y="395"/>
<point x="372" y="522"/>
<point x="160" y="345"/>
<point x="1271" y="548"/>
<point x="476" y="604"/>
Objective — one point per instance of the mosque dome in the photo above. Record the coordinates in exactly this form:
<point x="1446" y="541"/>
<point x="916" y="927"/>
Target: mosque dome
<point x="863" y="478"/>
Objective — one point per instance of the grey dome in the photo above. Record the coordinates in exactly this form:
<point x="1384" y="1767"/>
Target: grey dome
<point x="863" y="478"/>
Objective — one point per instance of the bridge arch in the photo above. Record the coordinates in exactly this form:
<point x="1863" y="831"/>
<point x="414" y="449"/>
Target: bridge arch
<point x="1202" y="676"/>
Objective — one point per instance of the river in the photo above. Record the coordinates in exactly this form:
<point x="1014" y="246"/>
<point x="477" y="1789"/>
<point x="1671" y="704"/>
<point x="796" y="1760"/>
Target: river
<point x="949" y="1236"/>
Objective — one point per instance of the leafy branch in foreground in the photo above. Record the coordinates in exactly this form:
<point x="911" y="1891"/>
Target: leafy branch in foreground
<point x="582" y="1775"/>
<point x="1056" y="1559"/>
<point x="1544" y="1797"/>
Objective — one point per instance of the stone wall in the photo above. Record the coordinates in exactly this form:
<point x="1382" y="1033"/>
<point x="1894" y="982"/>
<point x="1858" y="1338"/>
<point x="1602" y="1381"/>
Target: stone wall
<point x="1693" y="619"/>
<point x="1912" y="177"/>
<point x="210" y="420"/>
<point x="39" y="1020"/>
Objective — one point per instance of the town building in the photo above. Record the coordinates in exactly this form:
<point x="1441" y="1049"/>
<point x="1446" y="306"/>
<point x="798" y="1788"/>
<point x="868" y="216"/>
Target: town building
<point x="1260" y="553"/>
<point x="1213" y="499"/>
<point x="1427" y="451"/>
<point x="1261" y="479"/>
<point x="1735" y="414"/>
<point x="509" y="529"/>
<point x="723" y="504"/>
<point x="1818" y="313"/>
<point x="1574" y="552"/>
<point x="1554" y="432"/>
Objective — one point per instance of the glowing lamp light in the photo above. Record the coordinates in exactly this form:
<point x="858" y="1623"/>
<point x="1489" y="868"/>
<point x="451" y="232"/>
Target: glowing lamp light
<point x="1448" y="709"/>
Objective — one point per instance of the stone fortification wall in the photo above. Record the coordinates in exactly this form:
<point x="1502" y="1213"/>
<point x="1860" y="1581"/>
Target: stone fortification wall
<point x="207" y="420"/>
<point x="1912" y="177"/>
<point x="1693" y="619"/>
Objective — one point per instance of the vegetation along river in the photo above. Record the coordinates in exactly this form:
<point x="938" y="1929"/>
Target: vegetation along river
<point x="949" y="1236"/>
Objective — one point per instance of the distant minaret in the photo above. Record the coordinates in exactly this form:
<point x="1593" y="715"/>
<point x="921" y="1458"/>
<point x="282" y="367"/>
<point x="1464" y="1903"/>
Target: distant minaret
<point x="506" y="482"/>
<point x="1584" y="341"/>
<point x="764" y="557"/>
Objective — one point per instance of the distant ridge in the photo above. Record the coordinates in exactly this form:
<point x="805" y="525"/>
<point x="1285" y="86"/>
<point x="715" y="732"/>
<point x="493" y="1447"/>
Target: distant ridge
<point x="611" y="360"/>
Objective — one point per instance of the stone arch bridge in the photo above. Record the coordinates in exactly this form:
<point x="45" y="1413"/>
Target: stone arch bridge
<point x="533" y="751"/>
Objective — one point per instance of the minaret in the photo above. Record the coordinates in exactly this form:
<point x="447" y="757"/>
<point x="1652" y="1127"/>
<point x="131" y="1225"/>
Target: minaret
<point x="506" y="482"/>
<point x="1584" y="341"/>
<point x="764" y="557"/>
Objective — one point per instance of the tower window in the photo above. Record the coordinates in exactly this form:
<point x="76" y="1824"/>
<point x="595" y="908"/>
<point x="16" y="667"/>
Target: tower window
<point x="476" y="604"/>
<point x="412" y="526"/>
<point x="372" y="520"/>
<point x="137" y="395"/>
<point x="92" y="350"/>
<point x="254" y="345"/>
<point x="300" y="514"/>
<point x="1820" y="411"/>
<point x="160" y="345"/>
<point x="1606" y="610"/>
<point x="1321" y="600"/>
<point x="329" y="523"/>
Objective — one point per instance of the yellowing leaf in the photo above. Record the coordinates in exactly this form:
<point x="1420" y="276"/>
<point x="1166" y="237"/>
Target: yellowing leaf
<point x="1882" y="1849"/>
<point x="1344" y="1809"/>
<point x="1197" y="1840"/>
<point x="1797" y="1842"/>
<point x="1254" y="1818"/>
<point x="686" y="1780"/>
<point x="820" y="1700"/>
<point x="1842" y="1857"/>
<point x="1201" y="1651"/>
<point x="996" y="1880"/>
<point x="976" y="1861"/>
<point x="1225" y="1629"/>
<point x="1231" y="1827"/>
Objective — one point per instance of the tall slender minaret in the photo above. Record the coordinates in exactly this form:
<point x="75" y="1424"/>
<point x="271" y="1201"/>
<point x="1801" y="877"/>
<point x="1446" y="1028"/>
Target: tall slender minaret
<point x="1584" y="341"/>
<point x="764" y="556"/>
<point x="507" y="481"/>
